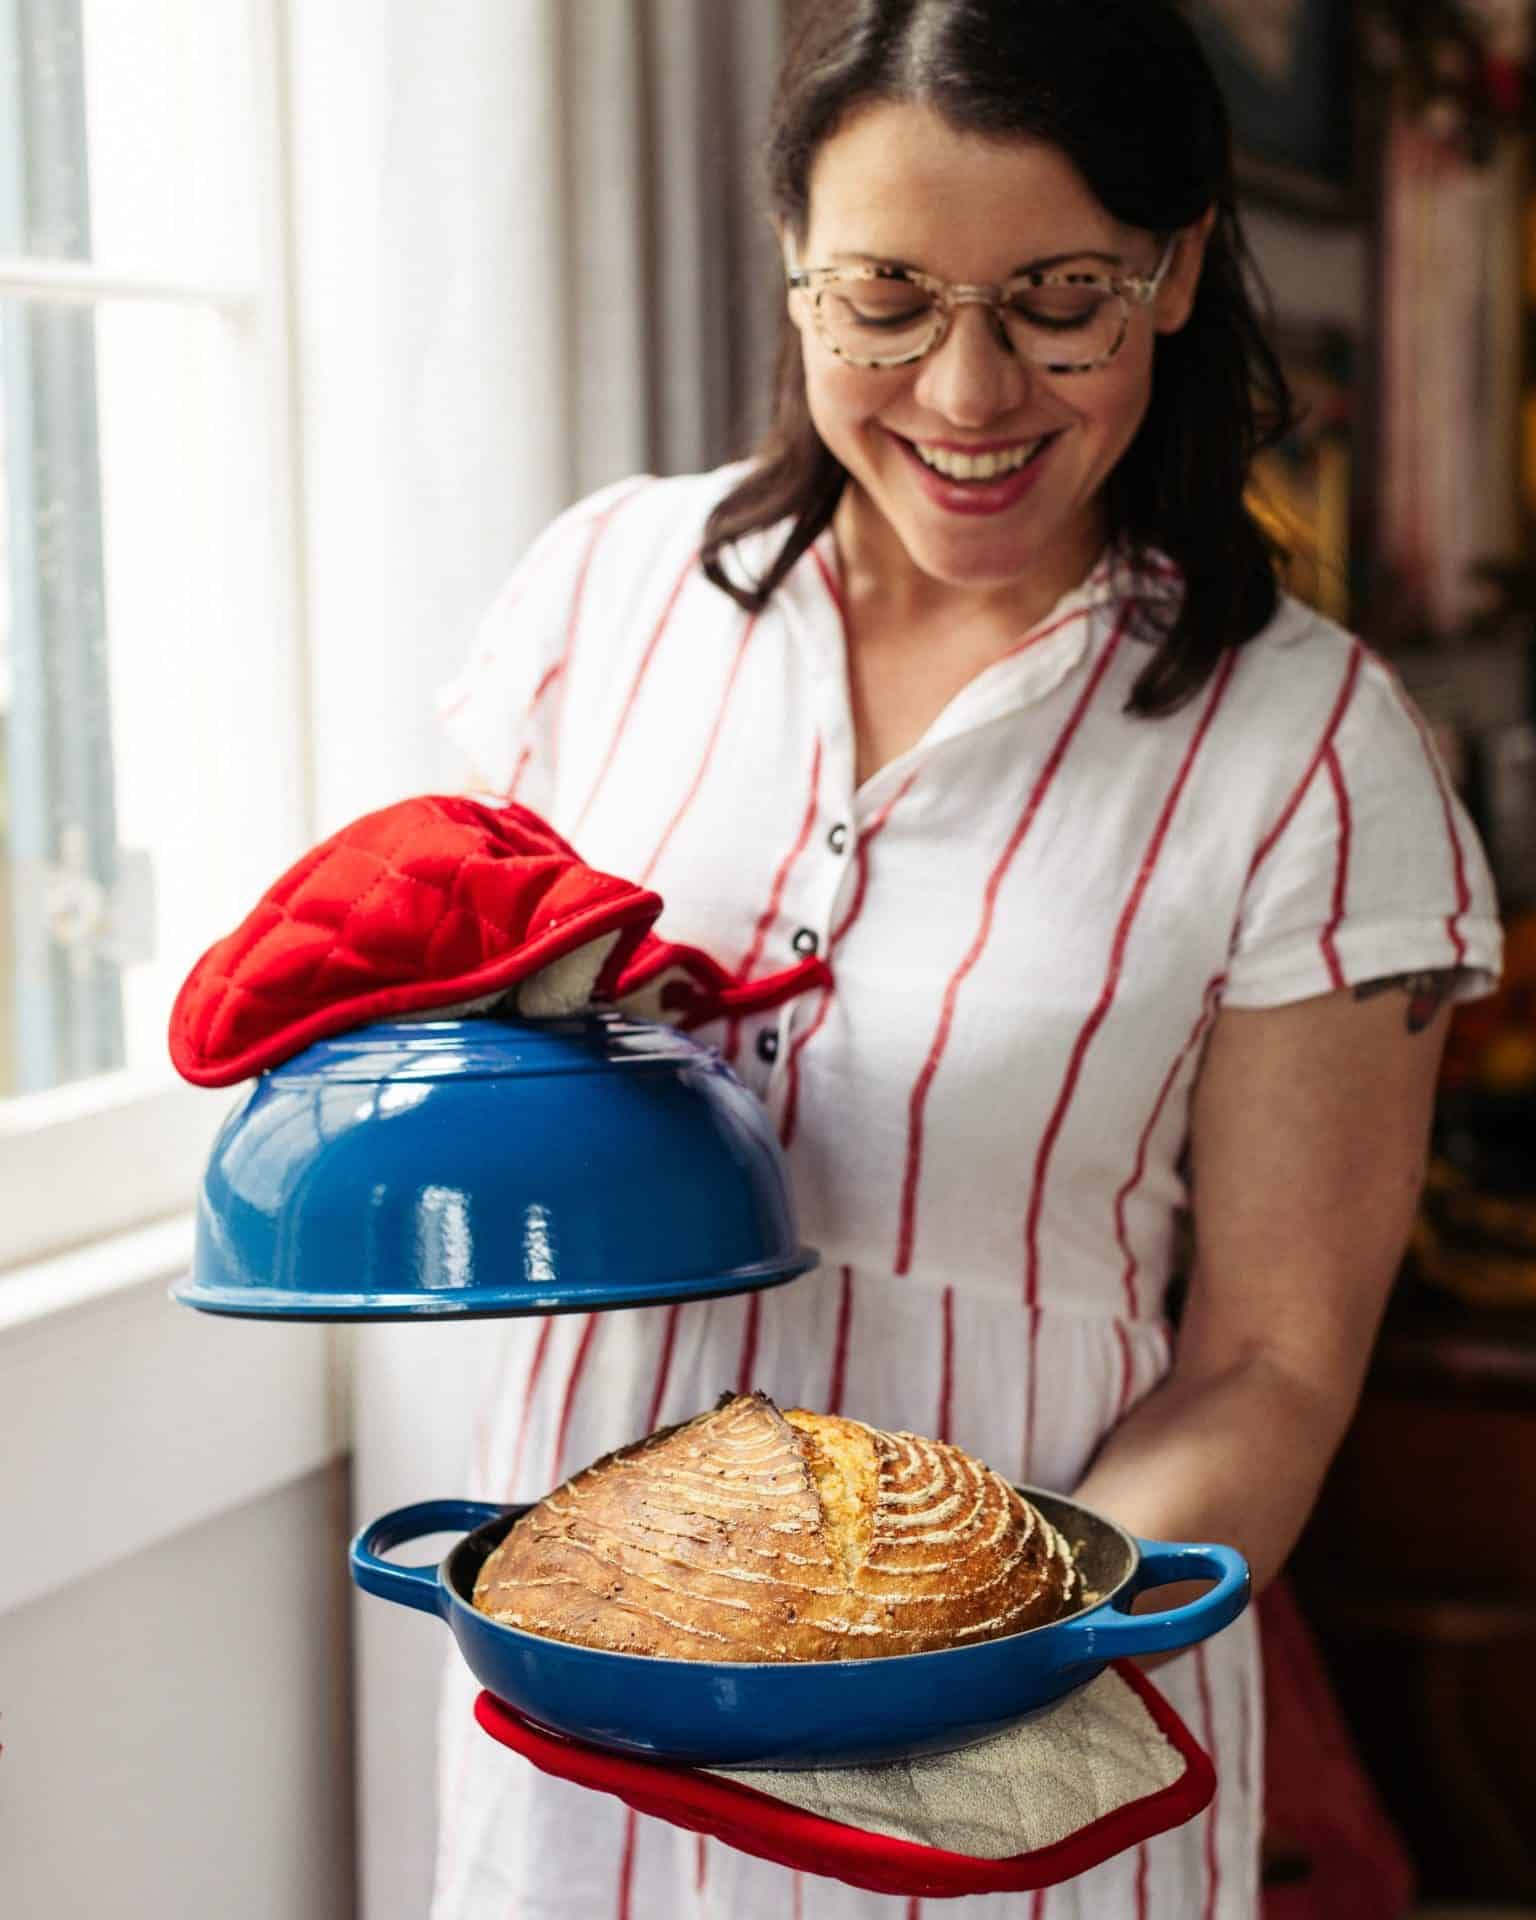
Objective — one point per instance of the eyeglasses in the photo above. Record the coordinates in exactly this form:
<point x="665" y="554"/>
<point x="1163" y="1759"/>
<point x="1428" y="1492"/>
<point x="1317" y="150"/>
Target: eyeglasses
<point x="1061" y="320"/>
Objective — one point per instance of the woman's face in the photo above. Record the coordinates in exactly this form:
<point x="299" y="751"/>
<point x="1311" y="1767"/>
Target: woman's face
<point x="897" y="185"/>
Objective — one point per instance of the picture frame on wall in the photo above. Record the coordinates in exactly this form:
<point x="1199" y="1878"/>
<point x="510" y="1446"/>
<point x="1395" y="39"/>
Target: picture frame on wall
<point x="1288" y="71"/>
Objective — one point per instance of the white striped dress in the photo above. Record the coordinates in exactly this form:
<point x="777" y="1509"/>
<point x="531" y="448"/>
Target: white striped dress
<point x="1032" y="918"/>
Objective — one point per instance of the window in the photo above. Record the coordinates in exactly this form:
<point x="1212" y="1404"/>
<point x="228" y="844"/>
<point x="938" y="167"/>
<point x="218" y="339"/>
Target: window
<point x="153" y="764"/>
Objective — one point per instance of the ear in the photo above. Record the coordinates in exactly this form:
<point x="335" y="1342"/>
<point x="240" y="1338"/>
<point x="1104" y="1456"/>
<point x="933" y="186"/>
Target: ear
<point x="789" y="254"/>
<point x="1176" y="297"/>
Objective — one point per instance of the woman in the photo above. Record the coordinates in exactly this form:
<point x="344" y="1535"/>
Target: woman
<point x="1140" y="885"/>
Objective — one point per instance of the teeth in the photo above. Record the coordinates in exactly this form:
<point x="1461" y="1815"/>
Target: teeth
<point x="978" y="466"/>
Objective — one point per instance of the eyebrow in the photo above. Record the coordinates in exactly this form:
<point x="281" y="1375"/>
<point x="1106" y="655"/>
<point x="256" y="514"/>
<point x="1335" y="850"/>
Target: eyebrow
<point x="1042" y="265"/>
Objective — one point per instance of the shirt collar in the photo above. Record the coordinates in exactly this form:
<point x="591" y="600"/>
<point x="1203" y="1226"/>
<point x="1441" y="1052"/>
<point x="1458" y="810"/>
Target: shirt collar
<point x="1120" y="581"/>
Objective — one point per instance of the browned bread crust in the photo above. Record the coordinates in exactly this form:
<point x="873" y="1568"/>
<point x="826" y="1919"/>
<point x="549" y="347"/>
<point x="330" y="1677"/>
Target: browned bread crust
<point x="751" y="1534"/>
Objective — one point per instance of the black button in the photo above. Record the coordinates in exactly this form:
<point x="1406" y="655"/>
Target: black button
<point x="837" y="839"/>
<point x="805" y="941"/>
<point x="768" y="1046"/>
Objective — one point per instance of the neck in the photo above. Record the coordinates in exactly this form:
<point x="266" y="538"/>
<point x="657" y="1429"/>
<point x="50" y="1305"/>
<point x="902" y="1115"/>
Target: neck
<point x="880" y="576"/>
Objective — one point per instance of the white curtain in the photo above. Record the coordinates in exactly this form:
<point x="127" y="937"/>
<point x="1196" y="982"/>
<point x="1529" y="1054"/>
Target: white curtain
<point x="529" y="258"/>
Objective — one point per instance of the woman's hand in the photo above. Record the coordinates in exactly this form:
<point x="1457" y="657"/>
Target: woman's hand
<point x="1308" y="1136"/>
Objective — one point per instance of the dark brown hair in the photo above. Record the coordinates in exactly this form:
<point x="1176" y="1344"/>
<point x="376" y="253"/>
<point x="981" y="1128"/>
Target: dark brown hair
<point x="1122" y="88"/>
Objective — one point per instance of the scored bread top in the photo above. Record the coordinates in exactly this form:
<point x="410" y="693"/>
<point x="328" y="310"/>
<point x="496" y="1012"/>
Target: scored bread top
<point x="751" y="1534"/>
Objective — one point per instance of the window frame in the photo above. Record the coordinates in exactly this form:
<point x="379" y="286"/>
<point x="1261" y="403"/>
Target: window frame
<point x="108" y="1154"/>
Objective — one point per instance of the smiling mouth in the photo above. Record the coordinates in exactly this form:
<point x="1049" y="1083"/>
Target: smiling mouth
<point x="995" y="464"/>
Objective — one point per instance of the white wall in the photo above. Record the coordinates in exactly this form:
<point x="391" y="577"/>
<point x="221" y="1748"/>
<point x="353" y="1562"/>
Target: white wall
<point x="174" y="1648"/>
<point x="176" y="1725"/>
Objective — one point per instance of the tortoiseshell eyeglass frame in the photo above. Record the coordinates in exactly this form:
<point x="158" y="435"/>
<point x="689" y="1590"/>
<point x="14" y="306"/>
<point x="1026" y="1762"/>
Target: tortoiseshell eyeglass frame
<point x="1129" y="289"/>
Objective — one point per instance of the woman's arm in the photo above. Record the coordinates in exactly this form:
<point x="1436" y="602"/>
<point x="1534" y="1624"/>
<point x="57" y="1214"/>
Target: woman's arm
<point x="1308" y="1134"/>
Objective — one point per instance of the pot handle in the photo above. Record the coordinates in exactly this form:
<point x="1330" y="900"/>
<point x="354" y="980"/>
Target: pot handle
<point x="1106" y="1633"/>
<point x="412" y="1586"/>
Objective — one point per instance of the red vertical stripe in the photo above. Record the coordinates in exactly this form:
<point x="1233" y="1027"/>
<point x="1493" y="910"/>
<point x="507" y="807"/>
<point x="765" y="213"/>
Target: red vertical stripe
<point x="1458" y="856"/>
<point x="517" y="775"/>
<point x="919" y="1097"/>
<point x="627" y="1865"/>
<point x="1097" y="1017"/>
<point x="861" y="855"/>
<point x="1037" y="1905"/>
<point x="797" y="1896"/>
<point x="487" y="658"/>
<point x="789" y="1119"/>
<point x="1141" y="1881"/>
<point x="781" y="879"/>
<point x="833" y="585"/>
<point x="1335" y="720"/>
<point x="550" y="677"/>
<point x="573" y="1379"/>
<point x="663" y="1367"/>
<point x="532" y="708"/>
<point x="532" y="563"/>
<point x="947" y="1366"/>
<point x="1143" y="1146"/>
<point x="748" y="1362"/>
<point x="536" y="1367"/>
<point x="776" y="894"/>
<point x="1034" y="639"/>
<point x="578" y="595"/>
<point x="914" y="1909"/>
<point x="546" y="683"/>
<point x="1208" y="1723"/>
<point x="700" y="1864"/>
<point x="709" y="751"/>
<point x="1031" y="1352"/>
<point x="634" y="690"/>
<point x="790" y="1116"/>
<point x="1340" y="871"/>
<point x="840" y="1345"/>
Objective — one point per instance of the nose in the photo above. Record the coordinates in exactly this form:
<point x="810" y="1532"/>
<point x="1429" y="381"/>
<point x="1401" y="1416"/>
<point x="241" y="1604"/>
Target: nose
<point x="975" y="375"/>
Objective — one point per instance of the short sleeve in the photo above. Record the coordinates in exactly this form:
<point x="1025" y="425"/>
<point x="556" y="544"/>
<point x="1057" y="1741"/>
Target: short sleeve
<point x="1373" y="869"/>
<point x="502" y="710"/>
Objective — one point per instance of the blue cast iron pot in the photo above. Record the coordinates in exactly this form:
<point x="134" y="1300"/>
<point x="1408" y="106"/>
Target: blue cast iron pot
<point x="814" y="1713"/>
<point x="437" y="1168"/>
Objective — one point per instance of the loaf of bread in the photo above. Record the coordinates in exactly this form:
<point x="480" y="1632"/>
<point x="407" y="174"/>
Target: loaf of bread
<point x="751" y="1534"/>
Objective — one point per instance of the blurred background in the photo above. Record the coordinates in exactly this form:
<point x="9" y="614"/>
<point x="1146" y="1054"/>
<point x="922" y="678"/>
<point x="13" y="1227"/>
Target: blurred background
<point x="312" y="313"/>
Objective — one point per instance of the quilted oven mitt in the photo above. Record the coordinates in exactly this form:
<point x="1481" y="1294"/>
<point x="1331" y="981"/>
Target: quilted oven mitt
<point x="1103" y="1770"/>
<point x="441" y="904"/>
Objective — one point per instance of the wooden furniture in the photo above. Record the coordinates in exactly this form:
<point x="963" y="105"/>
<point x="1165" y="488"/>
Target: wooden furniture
<point x="1418" y="1575"/>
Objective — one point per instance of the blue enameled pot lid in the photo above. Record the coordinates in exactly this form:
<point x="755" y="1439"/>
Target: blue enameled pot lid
<point x="446" y="1168"/>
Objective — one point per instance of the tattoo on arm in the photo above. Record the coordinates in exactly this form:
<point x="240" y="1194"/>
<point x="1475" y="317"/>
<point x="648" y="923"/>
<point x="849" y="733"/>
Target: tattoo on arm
<point x="1427" y="992"/>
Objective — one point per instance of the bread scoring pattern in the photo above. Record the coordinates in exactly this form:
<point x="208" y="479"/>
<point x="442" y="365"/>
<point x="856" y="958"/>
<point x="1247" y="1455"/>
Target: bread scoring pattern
<point x="751" y="1534"/>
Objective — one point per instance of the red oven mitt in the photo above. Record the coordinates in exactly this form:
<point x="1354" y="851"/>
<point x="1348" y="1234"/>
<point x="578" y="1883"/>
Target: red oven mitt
<point x="441" y="904"/>
<point x="1101" y="1771"/>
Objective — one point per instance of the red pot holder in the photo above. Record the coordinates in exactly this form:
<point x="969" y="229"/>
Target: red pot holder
<point x="1106" y="1768"/>
<point x="441" y="904"/>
